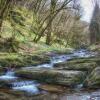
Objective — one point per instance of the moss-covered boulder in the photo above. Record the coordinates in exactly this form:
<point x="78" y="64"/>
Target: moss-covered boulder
<point x="87" y="66"/>
<point x="53" y="76"/>
<point x="85" y="60"/>
<point x="21" y="60"/>
<point x="93" y="80"/>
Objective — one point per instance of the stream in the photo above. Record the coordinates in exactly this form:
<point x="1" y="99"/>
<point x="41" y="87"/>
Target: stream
<point x="31" y="86"/>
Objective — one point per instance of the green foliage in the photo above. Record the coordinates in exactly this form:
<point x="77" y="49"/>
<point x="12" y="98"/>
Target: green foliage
<point x="17" y="18"/>
<point x="27" y="22"/>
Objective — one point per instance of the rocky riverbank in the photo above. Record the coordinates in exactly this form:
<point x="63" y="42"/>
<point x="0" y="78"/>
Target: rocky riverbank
<point x="56" y="74"/>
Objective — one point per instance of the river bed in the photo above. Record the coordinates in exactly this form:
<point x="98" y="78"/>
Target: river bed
<point x="32" y="86"/>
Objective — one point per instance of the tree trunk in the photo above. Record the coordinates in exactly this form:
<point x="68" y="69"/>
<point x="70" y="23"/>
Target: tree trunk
<point x="48" y="38"/>
<point x="1" y="22"/>
<point x="4" y="6"/>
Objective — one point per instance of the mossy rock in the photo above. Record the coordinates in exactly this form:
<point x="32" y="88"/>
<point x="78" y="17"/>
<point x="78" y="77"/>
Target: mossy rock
<point x="95" y="48"/>
<point x="87" y="66"/>
<point x="20" y="60"/>
<point x="84" y="60"/>
<point x="93" y="80"/>
<point x="53" y="76"/>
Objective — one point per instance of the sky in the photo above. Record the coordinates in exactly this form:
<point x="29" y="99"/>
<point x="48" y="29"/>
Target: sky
<point x="87" y="10"/>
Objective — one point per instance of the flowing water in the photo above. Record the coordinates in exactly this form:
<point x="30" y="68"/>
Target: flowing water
<point x="28" y="86"/>
<point x="95" y="95"/>
<point x="8" y="76"/>
<point x="62" y="58"/>
<point x="31" y="86"/>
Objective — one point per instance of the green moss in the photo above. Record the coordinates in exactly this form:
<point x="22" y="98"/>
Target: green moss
<point x="8" y="59"/>
<point x="85" y="66"/>
<point x="60" y="77"/>
<point x="85" y="60"/>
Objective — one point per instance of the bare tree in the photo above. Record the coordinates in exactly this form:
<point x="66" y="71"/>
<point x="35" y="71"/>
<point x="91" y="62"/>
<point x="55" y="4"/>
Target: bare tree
<point x="53" y="12"/>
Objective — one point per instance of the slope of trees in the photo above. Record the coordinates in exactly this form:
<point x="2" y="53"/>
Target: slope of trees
<point x="49" y="21"/>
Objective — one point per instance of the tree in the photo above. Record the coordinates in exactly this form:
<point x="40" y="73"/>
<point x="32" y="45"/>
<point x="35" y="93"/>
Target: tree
<point x="95" y="25"/>
<point x="4" y="8"/>
<point x="54" y="10"/>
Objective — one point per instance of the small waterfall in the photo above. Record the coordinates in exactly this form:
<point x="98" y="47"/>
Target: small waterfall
<point x="56" y="59"/>
<point x="50" y="65"/>
<point x="79" y="87"/>
<point x="27" y="86"/>
<point x="9" y="75"/>
<point x="63" y="58"/>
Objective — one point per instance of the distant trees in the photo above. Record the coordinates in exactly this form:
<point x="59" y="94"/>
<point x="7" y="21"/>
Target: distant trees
<point x="95" y="25"/>
<point x="68" y="30"/>
<point x="53" y="7"/>
<point x="49" y="21"/>
<point x="50" y="14"/>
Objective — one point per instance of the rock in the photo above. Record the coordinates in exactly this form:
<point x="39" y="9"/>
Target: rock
<point x="84" y="60"/>
<point x="53" y="76"/>
<point x="5" y="84"/>
<point x="52" y="88"/>
<point x="95" y="48"/>
<point x="16" y="95"/>
<point x="88" y="66"/>
<point x="93" y="80"/>
<point x="41" y="58"/>
<point x="22" y="60"/>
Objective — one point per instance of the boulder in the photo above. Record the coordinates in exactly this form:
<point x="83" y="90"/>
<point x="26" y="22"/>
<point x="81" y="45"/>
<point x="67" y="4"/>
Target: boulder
<point x="84" y="60"/>
<point x="87" y="66"/>
<point x="53" y="76"/>
<point x="18" y="95"/>
<point x="52" y="88"/>
<point x="93" y="80"/>
<point x="22" y="60"/>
